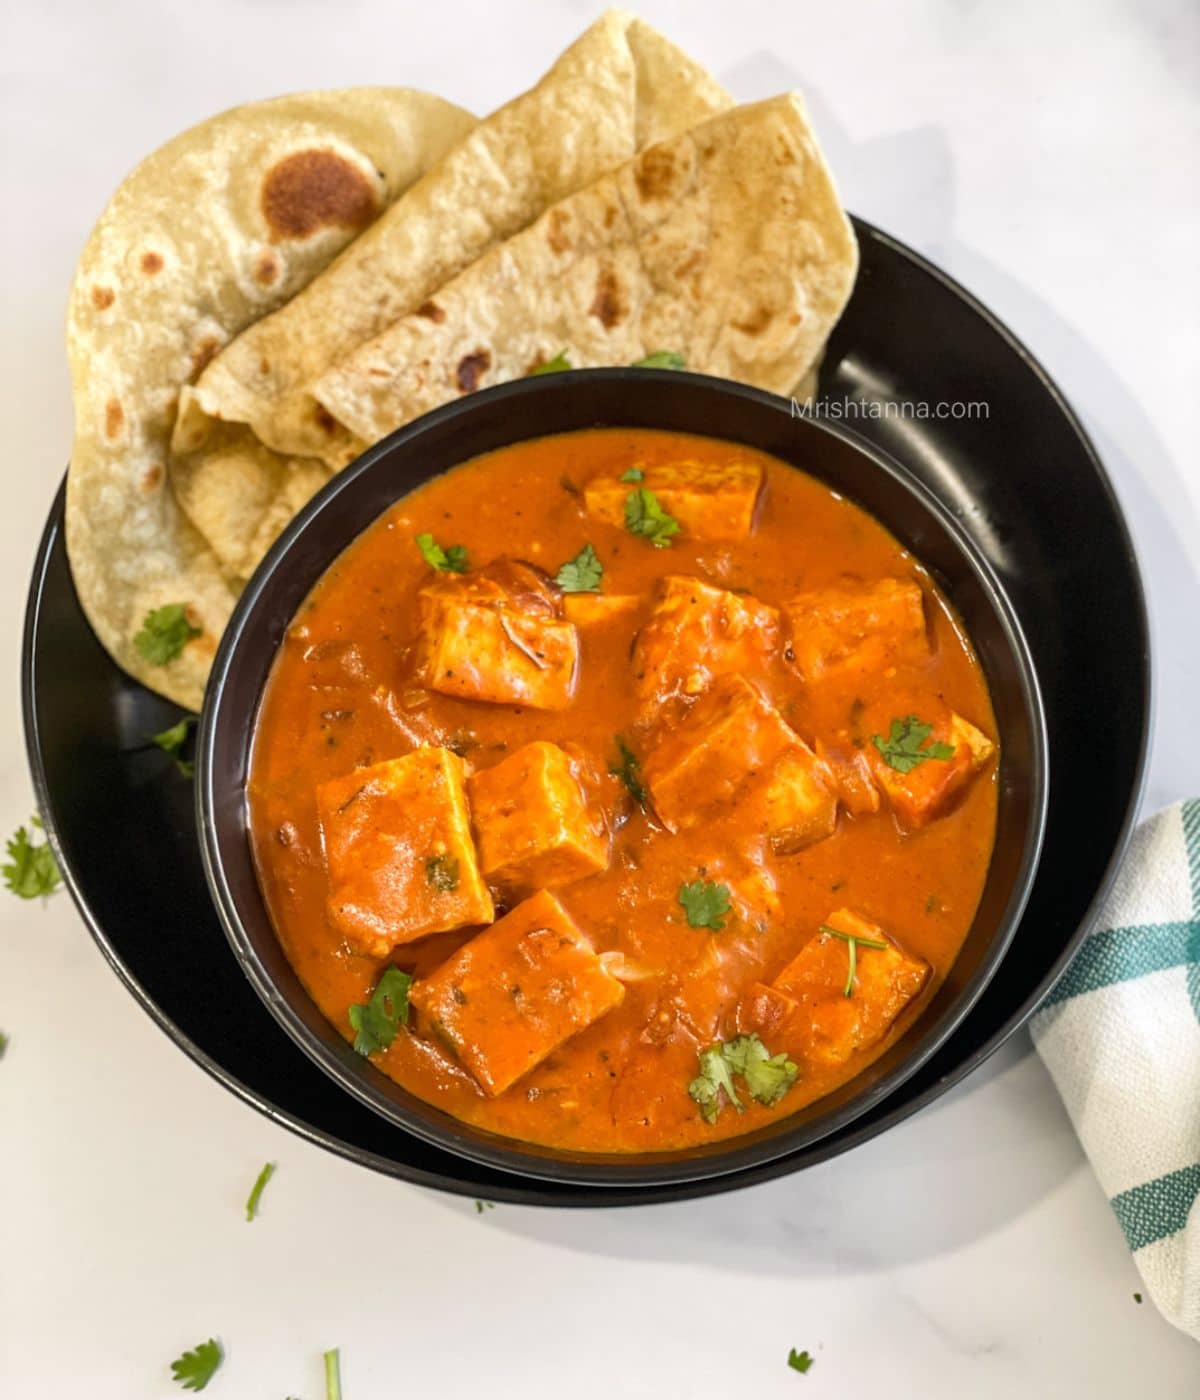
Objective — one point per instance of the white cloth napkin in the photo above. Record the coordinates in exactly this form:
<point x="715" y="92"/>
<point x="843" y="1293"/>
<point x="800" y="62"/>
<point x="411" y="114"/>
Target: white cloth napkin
<point x="1120" y="1035"/>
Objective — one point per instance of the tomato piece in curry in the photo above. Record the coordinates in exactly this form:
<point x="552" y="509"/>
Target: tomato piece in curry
<point x="671" y="846"/>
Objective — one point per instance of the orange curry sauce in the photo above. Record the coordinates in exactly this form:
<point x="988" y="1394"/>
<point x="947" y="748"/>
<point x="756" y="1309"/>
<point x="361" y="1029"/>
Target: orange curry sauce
<point x="344" y="694"/>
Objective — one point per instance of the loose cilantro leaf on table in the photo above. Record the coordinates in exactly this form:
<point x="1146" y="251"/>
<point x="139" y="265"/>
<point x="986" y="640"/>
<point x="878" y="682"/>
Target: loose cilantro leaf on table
<point x="481" y="1206"/>
<point x="165" y="632"/>
<point x="559" y="362"/>
<point x="31" y="870"/>
<point x="628" y="768"/>
<point x="768" y="1077"/>
<point x="452" y="560"/>
<point x="196" y="1368"/>
<point x="442" y="873"/>
<point x="799" y="1360"/>
<point x="378" y="1021"/>
<point x="645" y="517"/>
<point x="333" y="1375"/>
<point x="902" y="749"/>
<point x="633" y="474"/>
<point x="661" y="359"/>
<point x="853" y="942"/>
<point x="174" y="740"/>
<point x="581" y="574"/>
<point x="705" y="903"/>
<point x="3" y="1044"/>
<point x="260" y="1184"/>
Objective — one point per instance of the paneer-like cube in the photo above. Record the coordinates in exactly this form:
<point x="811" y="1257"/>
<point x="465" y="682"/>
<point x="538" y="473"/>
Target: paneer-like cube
<point x="827" y="1026"/>
<point x="516" y="992"/>
<point x="696" y="633"/>
<point x="533" y="825"/>
<point x="935" y="785"/>
<point x="728" y="738"/>
<point x="497" y="635"/>
<point x="766" y="1012"/>
<point x="858" y="628"/>
<point x="595" y="609"/>
<point x="801" y="801"/>
<point x="852" y="780"/>
<point x="711" y="501"/>
<point x="399" y="851"/>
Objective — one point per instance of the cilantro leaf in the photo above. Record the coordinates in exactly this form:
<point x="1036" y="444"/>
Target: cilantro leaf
<point x="661" y="359"/>
<point x="174" y="740"/>
<point x="852" y="940"/>
<point x="645" y="517"/>
<point x="260" y="1183"/>
<point x="628" y="768"/>
<point x="799" y="1360"/>
<point x="31" y="869"/>
<point x="3" y="1044"/>
<point x="333" y="1375"/>
<point x="481" y="1206"/>
<point x="165" y="632"/>
<point x="705" y="903"/>
<point x="452" y="560"/>
<point x="633" y="474"/>
<point x="442" y="873"/>
<point x="768" y="1077"/>
<point x="714" y="1076"/>
<point x="378" y="1021"/>
<point x="581" y="574"/>
<point x="196" y="1368"/>
<point x="559" y="362"/>
<point x="902" y="749"/>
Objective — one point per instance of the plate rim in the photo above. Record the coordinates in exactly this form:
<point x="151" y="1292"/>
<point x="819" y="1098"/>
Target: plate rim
<point x="532" y="1191"/>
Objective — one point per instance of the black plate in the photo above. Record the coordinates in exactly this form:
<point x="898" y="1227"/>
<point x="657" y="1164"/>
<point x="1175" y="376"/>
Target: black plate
<point x="1025" y="483"/>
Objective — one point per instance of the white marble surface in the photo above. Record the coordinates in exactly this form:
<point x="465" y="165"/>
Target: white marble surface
<point x="1045" y="155"/>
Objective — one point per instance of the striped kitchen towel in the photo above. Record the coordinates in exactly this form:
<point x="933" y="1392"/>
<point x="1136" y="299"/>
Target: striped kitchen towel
<point x="1120" y="1035"/>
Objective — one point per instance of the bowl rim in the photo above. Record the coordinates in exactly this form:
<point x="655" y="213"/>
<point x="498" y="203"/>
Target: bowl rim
<point x="514" y="1156"/>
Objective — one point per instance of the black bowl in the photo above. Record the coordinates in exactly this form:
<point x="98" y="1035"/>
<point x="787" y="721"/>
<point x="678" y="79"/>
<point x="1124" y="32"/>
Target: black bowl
<point x="561" y="403"/>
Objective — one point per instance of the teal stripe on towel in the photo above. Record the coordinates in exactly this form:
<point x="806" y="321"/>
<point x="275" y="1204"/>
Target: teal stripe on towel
<point x="1121" y="954"/>
<point x="1157" y="1208"/>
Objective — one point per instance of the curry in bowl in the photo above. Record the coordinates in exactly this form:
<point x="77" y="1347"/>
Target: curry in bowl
<point x="621" y="791"/>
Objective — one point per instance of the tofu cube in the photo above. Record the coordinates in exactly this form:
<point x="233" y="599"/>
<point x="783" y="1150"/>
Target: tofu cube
<point x="728" y="738"/>
<point x="532" y="823"/>
<point x="498" y="637"/>
<point x="595" y="609"/>
<point x="801" y="801"/>
<point x="399" y="851"/>
<point x="934" y="787"/>
<point x="858" y="628"/>
<point x="711" y="500"/>
<point x="827" y="1027"/>
<point x="852" y="780"/>
<point x="697" y="632"/>
<point x="516" y="992"/>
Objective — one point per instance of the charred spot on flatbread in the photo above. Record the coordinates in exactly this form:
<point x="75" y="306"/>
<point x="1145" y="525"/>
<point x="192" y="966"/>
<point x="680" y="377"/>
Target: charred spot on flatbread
<point x="311" y="190"/>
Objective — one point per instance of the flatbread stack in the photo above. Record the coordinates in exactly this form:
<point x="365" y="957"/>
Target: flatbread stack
<point x="278" y="288"/>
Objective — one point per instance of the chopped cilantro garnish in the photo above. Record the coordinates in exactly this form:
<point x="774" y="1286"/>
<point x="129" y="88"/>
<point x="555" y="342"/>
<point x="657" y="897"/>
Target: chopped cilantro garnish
<point x="174" y="740"/>
<point x="165" y="632"/>
<point x="633" y="474"/>
<point x="705" y="903"/>
<point x="452" y="560"/>
<point x="799" y="1360"/>
<point x="1137" y="1297"/>
<point x="559" y="362"/>
<point x="902" y="749"/>
<point x="333" y="1375"/>
<point x="645" y="517"/>
<point x="768" y="1077"/>
<point x="196" y="1368"/>
<point x="853" y="941"/>
<point x="442" y="873"/>
<point x="581" y="574"/>
<point x="661" y="359"/>
<point x="31" y="869"/>
<point x="378" y="1021"/>
<point x="3" y="1044"/>
<point x="260" y="1185"/>
<point x="628" y="768"/>
<point x="481" y="1206"/>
